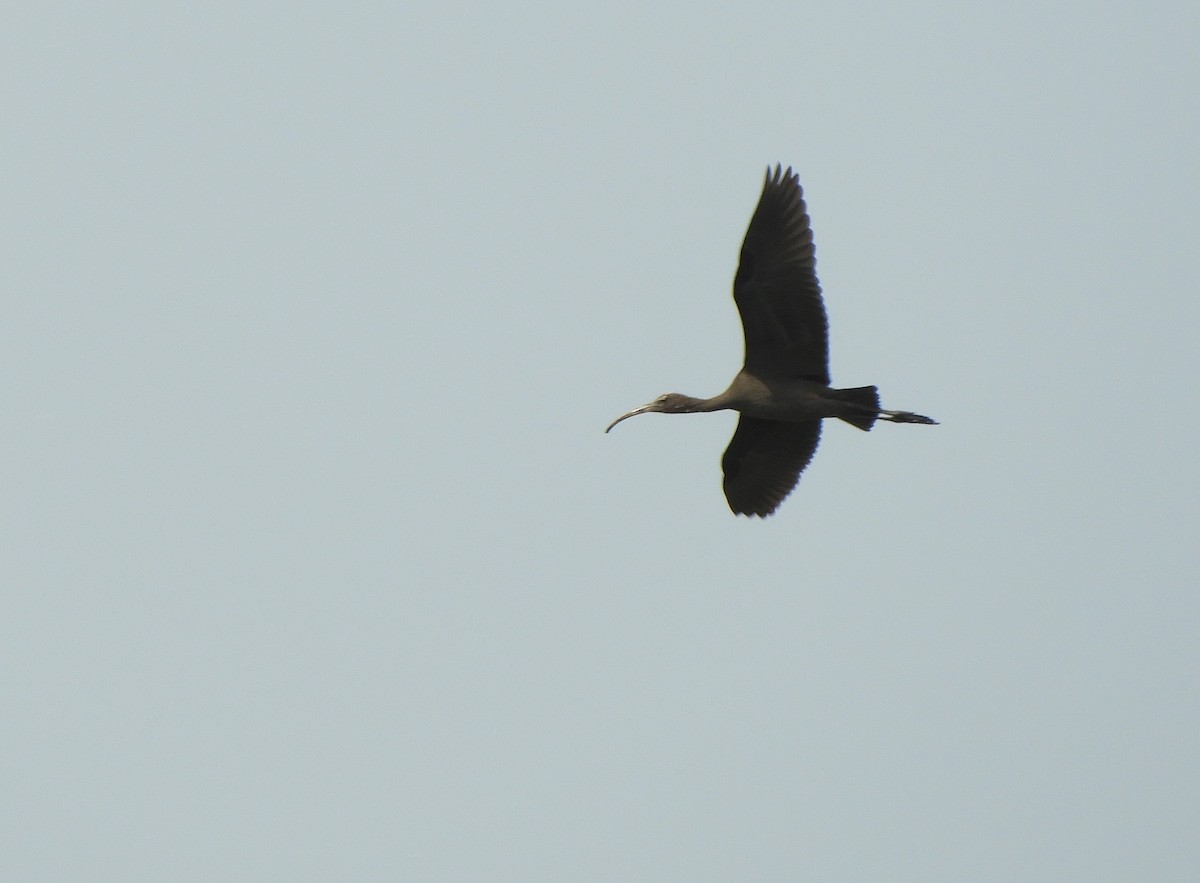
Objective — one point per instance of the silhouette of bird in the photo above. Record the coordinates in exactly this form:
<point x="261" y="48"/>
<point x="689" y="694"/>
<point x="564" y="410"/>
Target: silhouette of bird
<point x="782" y="391"/>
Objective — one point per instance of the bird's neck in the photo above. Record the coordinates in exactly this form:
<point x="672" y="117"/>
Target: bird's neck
<point x="716" y="403"/>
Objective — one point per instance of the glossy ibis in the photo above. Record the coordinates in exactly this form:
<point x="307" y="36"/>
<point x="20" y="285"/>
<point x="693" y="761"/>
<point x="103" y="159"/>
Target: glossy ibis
<point x="783" y="389"/>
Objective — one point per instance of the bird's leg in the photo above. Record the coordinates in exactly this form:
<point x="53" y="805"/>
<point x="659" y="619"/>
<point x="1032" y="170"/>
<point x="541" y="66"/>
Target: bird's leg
<point x="906" y="417"/>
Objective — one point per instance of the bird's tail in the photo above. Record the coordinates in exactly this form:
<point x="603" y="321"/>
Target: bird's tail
<point x="864" y="402"/>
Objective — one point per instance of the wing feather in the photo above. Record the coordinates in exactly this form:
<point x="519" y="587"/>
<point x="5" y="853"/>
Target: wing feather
<point x="764" y="460"/>
<point x="776" y="287"/>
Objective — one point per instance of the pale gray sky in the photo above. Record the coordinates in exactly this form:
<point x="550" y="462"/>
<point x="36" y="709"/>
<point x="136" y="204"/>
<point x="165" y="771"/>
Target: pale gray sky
<point x="317" y="565"/>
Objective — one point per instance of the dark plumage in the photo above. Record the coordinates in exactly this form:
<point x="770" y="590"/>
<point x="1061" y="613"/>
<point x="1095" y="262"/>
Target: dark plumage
<point x="783" y="389"/>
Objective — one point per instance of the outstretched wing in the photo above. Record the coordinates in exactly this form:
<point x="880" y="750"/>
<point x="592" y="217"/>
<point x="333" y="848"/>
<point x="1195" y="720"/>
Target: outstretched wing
<point x="776" y="287"/>
<point x="764" y="460"/>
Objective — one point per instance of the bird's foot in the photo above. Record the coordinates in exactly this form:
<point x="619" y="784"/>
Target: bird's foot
<point x="907" y="417"/>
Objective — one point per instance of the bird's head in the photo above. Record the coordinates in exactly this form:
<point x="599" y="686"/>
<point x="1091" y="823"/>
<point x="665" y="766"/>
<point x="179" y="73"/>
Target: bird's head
<point x="667" y="403"/>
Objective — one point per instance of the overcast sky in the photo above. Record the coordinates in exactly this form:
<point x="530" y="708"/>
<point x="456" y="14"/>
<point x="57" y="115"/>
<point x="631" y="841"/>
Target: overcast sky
<point x="315" y="561"/>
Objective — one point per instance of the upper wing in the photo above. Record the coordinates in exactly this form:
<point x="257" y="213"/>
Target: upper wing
<point x="776" y="288"/>
<point x="764" y="460"/>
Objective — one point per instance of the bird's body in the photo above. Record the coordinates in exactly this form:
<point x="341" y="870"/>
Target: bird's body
<point x="789" y="401"/>
<point x="782" y="391"/>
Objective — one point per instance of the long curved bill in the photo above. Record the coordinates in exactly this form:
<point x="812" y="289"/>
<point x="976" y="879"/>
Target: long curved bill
<point x="642" y="410"/>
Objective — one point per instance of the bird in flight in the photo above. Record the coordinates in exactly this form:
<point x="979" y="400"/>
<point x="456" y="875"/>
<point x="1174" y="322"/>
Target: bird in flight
<point x="782" y="391"/>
